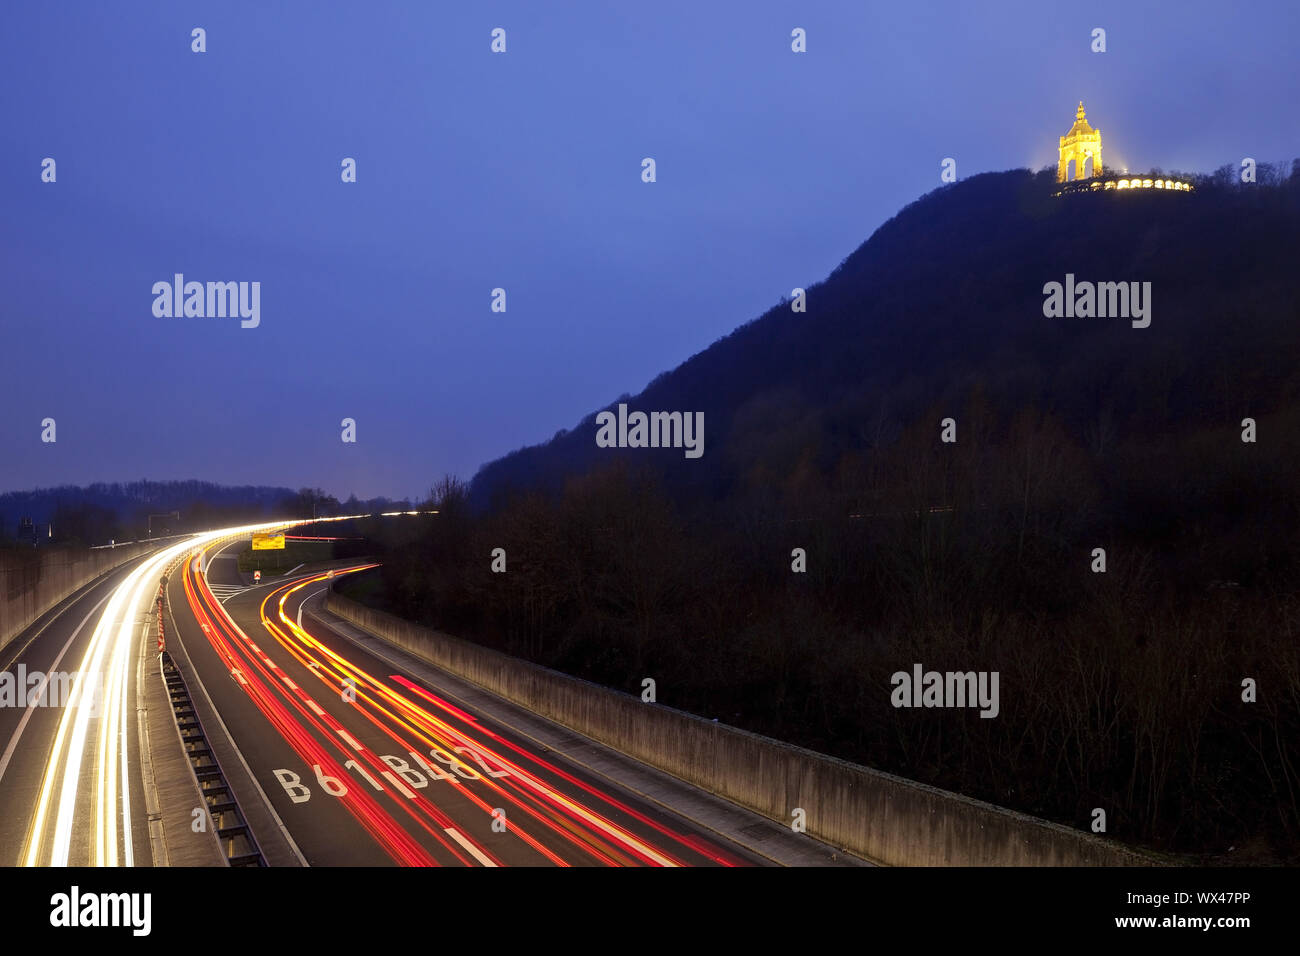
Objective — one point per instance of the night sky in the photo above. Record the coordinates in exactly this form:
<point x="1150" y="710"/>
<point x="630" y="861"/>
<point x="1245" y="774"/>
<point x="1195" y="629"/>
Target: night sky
<point x="520" y="170"/>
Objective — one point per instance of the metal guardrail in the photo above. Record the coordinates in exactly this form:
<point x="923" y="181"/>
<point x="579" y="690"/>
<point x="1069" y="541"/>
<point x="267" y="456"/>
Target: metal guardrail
<point x="233" y="832"/>
<point x="123" y="544"/>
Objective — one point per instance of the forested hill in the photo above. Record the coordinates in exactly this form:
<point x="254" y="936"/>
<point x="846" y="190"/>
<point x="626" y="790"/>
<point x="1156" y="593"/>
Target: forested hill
<point x="1104" y="533"/>
<point x="949" y="294"/>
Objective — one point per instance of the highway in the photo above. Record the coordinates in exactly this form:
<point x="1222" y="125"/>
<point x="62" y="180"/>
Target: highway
<point x="340" y="750"/>
<point x="59" y="641"/>
<point x="366" y="766"/>
<point x="70" y="771"/>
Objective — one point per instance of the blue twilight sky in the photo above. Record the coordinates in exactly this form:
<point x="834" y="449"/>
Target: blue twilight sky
<point x="521" y="170"/>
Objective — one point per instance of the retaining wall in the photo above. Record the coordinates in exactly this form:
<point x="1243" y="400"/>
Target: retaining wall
<point x="876" y="815"/>
<point x="33" y="581"/>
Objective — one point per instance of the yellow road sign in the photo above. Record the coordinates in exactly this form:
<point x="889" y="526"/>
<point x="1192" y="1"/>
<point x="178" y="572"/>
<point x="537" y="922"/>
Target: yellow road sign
<point x="268" y="542"/>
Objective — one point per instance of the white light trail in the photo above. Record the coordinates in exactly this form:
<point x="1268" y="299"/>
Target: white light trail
<point x="105" y="670"/>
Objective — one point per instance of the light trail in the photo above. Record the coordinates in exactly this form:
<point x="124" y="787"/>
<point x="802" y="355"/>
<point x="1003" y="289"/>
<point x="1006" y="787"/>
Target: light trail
<point x="100" y="692"/>
<point x="257" y="681"/>
<point x="400" y="719"/>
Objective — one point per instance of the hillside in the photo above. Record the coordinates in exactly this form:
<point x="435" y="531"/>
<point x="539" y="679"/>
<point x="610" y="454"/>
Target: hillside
<point x="828" y="539"/>
<point x="949" y="293"/>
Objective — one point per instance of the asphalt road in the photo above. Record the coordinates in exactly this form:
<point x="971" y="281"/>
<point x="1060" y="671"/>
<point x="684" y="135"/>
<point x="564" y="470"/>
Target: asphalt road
<point x="59" y="642"/>
<point x="366" y="767"/>
<point x="341" y="750"/>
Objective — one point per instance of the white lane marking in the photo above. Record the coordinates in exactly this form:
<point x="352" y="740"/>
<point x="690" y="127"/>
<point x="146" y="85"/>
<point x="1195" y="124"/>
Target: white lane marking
<point x="224" y="592"/>
<point x="474" y="851"/>
<point x="291" y="570"/>
<point x="315" y="707"/>
<point x="376" y="647"/>
<point x="402" y="788"/>
<point x="350" y="739"/>
<point x="306" y="598"/>
<point x="290" y="684"/>
<point x="238" y="675"/>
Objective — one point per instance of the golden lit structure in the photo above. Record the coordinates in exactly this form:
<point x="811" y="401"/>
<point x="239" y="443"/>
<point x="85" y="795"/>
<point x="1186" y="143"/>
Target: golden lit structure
<point x="1126" y="184"/>
<point x="1081" y="143"/>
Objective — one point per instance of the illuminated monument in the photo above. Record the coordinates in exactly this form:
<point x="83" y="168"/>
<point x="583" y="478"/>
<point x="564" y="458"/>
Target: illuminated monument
<point x="1081" y="143"/>
<point x="1081" y="146"/>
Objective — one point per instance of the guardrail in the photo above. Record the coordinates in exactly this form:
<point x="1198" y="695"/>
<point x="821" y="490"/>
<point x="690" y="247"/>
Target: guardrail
<point x="233" y="833"/>
<point x="122" y="544"/>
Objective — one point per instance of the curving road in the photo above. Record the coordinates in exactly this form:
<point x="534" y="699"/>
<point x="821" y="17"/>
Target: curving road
<point x="340" y="750"/>
<point x="366" y="765"/>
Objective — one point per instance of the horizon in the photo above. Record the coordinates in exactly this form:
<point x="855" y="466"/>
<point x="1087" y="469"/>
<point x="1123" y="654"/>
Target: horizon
<point x="376" y="296"/>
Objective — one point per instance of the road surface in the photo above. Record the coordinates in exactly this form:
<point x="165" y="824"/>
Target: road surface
<point x="340" y="750"/>
<point x="365" y="765"/>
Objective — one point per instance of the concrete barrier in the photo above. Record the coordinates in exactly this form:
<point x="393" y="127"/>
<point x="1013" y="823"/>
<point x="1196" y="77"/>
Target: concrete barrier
<point x="885" y="818"/>
<point x="34" y="580"/>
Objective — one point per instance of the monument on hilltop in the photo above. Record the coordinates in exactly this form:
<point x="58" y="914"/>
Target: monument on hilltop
<point x="1081" y="143"/>
<point x="1081" y="146"/>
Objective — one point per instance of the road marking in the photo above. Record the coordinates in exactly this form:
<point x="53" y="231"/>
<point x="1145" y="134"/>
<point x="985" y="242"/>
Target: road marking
<point x="375" y="646"/>
<point x="224" y="592"/>
<point x="303" y="602"/>
<point x="392" y="778"/>
<point x="316" y="707"/>
<point x="238" y="675"/>
<point x="266" y="801"/>
<point x="350" y="739"/>
<point x="406" y="662"/>
<point x="477" y="853"/>
<point x="290" y="684"/>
